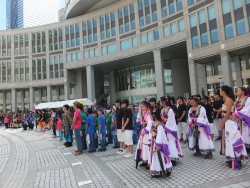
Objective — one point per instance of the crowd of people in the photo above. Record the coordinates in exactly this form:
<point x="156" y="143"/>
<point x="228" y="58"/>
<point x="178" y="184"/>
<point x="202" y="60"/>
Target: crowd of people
<point x="156" y="128"/>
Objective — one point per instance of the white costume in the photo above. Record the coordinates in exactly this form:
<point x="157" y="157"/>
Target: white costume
<point x="235" y="148"/>
<point x="171" y="132"/>
<point x="144" y="141"/>
<point x="199" y="119"/>
<point x="160" y="142"/>
<point x="242" y="109"/>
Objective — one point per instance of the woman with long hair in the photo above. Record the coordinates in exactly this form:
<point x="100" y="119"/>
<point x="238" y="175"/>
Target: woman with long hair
<point x="170" y="127"/>
<point x="146" y="123"/>
<point x="242" y="109"/>
<point x="199" y="129"/>
<point x="160" y="161"/>
<point x="67" y="125"/>
<point x="234" y="147"/>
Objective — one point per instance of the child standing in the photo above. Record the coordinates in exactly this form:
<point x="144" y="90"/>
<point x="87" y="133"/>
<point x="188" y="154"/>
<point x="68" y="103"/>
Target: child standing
<point x="113" y="128"/>
<point x="102" y="129"/>
<point x="60" y="127"/>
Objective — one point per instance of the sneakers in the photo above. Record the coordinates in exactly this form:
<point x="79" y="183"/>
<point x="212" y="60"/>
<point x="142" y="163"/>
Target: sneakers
<point x="128" y="155"/>
<point x="181" y="140"/>
<point x="219" y="138"/>
<point x="121" y="152"/>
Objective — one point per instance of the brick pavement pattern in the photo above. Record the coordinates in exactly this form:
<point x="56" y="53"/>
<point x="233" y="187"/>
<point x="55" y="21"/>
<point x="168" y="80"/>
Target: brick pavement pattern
<point x="35" y="159"/>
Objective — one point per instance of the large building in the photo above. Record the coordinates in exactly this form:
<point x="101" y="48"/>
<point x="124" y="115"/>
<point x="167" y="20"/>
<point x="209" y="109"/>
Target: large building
<point x="131" y="49"/>
<point x="30" y="13"/>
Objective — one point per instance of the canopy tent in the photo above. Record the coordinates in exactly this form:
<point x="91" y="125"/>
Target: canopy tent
<point x="59" y="104"/>
<point x="43" y="105"/>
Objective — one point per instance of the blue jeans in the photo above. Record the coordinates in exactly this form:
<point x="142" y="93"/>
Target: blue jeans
<point x="92" y="146"/>
<point x="116" y="143"/>
<point x="60" y="134"/>
<point x="77" y="133"/>
<point x="103" y="142"/>
<point x="84" y="143"/>
<point x="96" y="140"/>
<point x="110" y="140"/>
<point x="135" y="138"/>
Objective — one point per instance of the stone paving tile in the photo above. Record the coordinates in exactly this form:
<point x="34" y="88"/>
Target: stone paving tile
<point x="33" y="138"/>
<point x="56" y="178"/>
<point x="20" y="167"/>
<point x="195" y="172"/>
<point x="245" y="184"/>
<point x="3" y="141"/>
<point x="41" y="144"/>
<point x="50" y="158"/>
<point x="3" y="162"/>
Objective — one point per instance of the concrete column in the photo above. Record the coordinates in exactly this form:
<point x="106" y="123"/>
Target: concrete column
<point x="32" y="98"/>
<point x="227" y="70"/>
<point x="49" y="93"/>
<point x="4" y="101"/>
<point x="79" y="89"/>
<point x="180" y="76"/>
<point x="112" y="87"/>
<point x="238" y="71"/>
<point x="202" y="78"/>
<point x="22" y="100"/>
<point x="13" y="100"/>
<point x="90" y="82"/>
<point x="193" y="76"/>
<point x="160" y="84"/>
<point x="57" y="93"/>
<point x="40" y="96"/>
<point x="66" y="91"/>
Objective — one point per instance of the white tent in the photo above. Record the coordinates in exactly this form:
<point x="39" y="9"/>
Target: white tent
<point x="59" y="104"/>
<point x="43" y="105"/>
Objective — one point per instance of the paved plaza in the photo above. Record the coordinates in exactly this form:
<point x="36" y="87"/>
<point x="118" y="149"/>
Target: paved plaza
<point x="34" y="159"/>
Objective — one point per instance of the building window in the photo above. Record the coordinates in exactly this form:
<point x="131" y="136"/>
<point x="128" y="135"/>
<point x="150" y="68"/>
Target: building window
<point x="149" y="37"/>
<point x="112" y="48"/>
<point x="202" y="17"/>
<point x="192" y="20"/>
<point x="156" y="35"/>
<point x="121" y="29"/>
<point x="104" y="50"/>
<point x="195" y="42"/>
<point x="179" y="5"/>
<point x="190" y="2"/>
<point x="173" y="28"/>
<point x="86" y="54"/>
<point x="166" y="31"/>
<point x="143" y="39"/>
<point x="140" y="5"/>
<point x="229" y="31"/>
<point x="204" y="39"/>
<point x="181" y="25"/>
<point x="155" y="17"/>
<point x="211" y="13"/>
<point x="240" y="26"/>
<point x="226" y="6"/>
<point x="96" y="52"/>
<point x="126" y="44"/>
<point x="148" y="19"/>
<point x="214" y="36"/>
<point x="141" y="21"/>
<point x="171" y="8"/>
<point x="134" y="41"/>
<point x="237" y="4"/>
<point x="164" y="12"/>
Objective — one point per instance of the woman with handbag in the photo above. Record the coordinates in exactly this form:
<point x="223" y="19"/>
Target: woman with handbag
<point x="199" y="130"/>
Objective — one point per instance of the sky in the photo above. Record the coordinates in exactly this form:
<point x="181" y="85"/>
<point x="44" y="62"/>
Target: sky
<point x="3" y="13"/>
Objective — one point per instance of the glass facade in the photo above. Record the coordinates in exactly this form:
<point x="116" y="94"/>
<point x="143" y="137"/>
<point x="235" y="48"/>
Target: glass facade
<point x="240" y="27"/>
<point x="229" y="31"/>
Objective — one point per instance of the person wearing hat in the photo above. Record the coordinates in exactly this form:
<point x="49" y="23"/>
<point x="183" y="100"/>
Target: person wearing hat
<point x="113" y="128"/>
<point x="127" y="128"/>
<point x="102" y="128"/>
